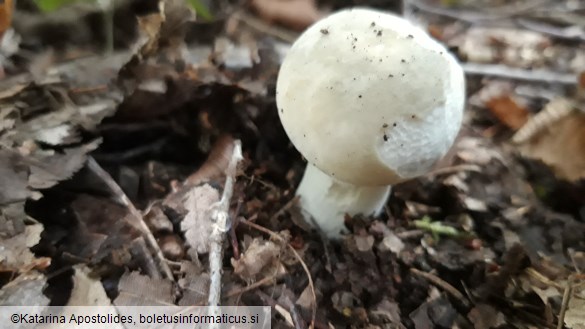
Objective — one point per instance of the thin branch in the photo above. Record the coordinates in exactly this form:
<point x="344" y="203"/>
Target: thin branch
<point x="569" y="33"/>
<point x="296" y="254"/>
<point x="137" y="219"/>
<point x="261" y="26"/>
<point x="565" y="303"/>
<point x="442" y="284"/>
<point x="475" y="16"/>
<point x="257" y="284"/>
<point x="503" y="71"/>
<point x="220" y="216"/>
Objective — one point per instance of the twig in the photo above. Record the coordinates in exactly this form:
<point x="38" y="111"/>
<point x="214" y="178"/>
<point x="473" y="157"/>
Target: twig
<point x="107" y="7"/>
<point x="442" y="284"/>
<point x="148" y="263"/>
<point x="503" y="71"/>
<point x="569" y="33"/>
<point x="565" y="303"/>
<point x="305" y="268"/>
<point x="410" y="234"/>
<point x="252" y="286"/>
<point x="454" y="169"/>
<point x="137" y="220"/>
<point x="284" y="209"/>
<point x="475" y="16"/>
<point x="260" y="26"/>
<point x="294" y="313"/>
<point x="220" y="216"/>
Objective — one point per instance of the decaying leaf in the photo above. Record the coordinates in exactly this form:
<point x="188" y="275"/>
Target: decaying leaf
<point x="296" y="14"/>
<point x="15" y="254"/>
<point x="575" y="316"/>
<point x="26" y="289"/>
<point x="555" y="110"/>
<point x="511" y="46"/>
<point x="484" y="316"/>
<point x="197" y="224"/>
<point x="6" y="8"/>
<point x="561" y="146"/>
<point x="261" y="259"/>
<point x="163" y="35"/>
<point x="139" y="290"/>
<point x="87" y="290"/>
<point x="13" y="178"/>
<point x="508" y="111"/>
<point x="216" y="162"/>
<point x="58" y="167"/>
<point x="476" y="151"/>
<point x="195" y="284"/>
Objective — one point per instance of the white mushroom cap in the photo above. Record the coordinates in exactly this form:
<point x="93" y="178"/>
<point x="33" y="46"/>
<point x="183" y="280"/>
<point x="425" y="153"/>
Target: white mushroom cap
<point x="369" y="98"/>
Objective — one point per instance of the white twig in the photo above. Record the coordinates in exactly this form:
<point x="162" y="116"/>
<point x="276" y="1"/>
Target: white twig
<point x="503" y="71"/>
<point x="220" y="216"/>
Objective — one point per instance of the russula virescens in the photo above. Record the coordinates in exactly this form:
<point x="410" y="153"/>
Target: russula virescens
<point x="369" y="100"/>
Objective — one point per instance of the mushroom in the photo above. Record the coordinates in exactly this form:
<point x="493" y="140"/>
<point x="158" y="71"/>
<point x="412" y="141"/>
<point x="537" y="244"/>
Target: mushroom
<point x="369" y="100"/>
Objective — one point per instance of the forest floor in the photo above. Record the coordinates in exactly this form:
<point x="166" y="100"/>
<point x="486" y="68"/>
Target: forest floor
<point x="111" y="165"/>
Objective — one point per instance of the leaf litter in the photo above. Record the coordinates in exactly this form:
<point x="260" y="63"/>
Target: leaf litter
<point x="135" y="230"/>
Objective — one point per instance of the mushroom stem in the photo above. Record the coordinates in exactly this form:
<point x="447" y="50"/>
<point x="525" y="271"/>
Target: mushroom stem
<point x="327" y="200"/>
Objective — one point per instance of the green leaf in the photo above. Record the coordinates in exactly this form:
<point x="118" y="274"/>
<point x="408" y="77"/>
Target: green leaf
<point x="201" y="10"/>
<point x="47" y="6"/>
<point x="435" y="228"/>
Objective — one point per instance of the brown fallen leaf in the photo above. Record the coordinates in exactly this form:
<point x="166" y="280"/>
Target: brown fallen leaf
<point x="27" y="289"/>
<point x="555" y="110"/>
<point x="216" y="162"/>
<point x="13" y="178"/>
<point x="561" y="146"/>
<point x="6" y="8"/>
<point x="575" y="316"/>
<point x="295" y="14"/>
<point x="195" y="284"/>
<point x="484" y="316"/>
<point x="508" y="111"/>
<point x="87" y="290"/>
<point x="261" y="259"/>
<point x="140" y="290"/>
<point x="15" y="254"/>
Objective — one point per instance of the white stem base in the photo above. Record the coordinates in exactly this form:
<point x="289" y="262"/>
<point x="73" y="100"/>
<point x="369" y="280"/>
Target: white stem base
<point x="327" y="200"/>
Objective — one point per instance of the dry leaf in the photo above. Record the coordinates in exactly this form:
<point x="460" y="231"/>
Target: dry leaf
<point x="261" y="259"/>
<point x="6" y="8"/>
<point x="163" y="33"/>
<point x="87" y="291"/>
<point x="561" y="146"/>
<point x="484" y="316"/>
<point x="197" y="224"/>
<point x="555" y="110"/>
<point x="13" y="178"/>
<point x="52" y="169"/>
<point x="295" y="14"/>
<point x="521" y="48"/>
<point x="25" y="290"/>
<point x="508" y="111"/>
<point x="195" y="284"/>
<point x="364" y="243"/>
<point x="476" y="151"/>
<point x="216" y="162"/>
<point x="15" y="254"/>
<point x="575" y="316"/>
<point x="139" y="290"/>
